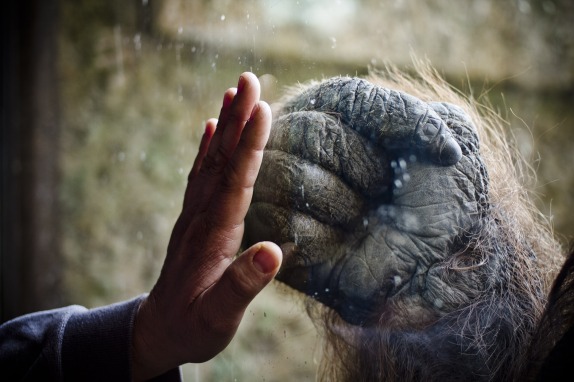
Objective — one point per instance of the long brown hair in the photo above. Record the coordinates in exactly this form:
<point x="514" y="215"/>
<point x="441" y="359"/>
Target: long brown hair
<point x="488" y="339"/>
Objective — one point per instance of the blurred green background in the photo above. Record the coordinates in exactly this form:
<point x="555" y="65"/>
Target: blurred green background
<point x="137" y="80"/>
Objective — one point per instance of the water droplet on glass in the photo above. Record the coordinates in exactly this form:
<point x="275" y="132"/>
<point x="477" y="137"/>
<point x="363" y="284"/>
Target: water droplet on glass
<point x="398" y="183"/>
<point x="549" y="7"/>
<point x="524" y="6"/>
<point x="402" y="164"/>
<point x="137" y="41"/>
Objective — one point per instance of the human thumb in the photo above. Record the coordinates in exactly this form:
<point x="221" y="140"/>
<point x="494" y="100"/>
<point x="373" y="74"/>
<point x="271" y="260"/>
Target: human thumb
<point x="249" y="273"/>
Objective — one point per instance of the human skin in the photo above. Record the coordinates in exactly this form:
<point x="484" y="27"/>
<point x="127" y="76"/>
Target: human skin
<point x="194" y="309"/>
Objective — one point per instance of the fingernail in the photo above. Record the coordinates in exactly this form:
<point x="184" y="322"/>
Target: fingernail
<point x="240" y="84"/>
<point x="254" y="111"/>
<point x="449" y="152"/>
<point x="264" y="262"/>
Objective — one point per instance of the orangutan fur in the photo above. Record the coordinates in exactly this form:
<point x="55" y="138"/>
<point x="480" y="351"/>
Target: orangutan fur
<point x="489" y="338"/>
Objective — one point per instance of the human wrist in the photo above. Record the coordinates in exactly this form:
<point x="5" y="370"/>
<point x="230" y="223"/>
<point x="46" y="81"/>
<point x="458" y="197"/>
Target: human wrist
<point x="148" y="358"/>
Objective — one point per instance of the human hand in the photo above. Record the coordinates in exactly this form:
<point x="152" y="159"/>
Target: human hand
<point x="194" y="309"/>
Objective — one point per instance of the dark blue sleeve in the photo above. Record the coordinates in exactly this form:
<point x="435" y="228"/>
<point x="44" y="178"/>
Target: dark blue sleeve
<point x="72" y="344"/>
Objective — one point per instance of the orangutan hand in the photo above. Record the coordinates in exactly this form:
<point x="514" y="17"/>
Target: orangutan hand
<point x="194" y="309"/>
<point x="368" y="190"/>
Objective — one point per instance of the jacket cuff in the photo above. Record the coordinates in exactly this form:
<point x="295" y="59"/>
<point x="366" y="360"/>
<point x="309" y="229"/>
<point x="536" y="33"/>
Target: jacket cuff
<point x="97" y="344"/>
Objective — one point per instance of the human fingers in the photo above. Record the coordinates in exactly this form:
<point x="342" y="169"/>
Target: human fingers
<point x="192" y="188"/>
<point x="228" y="98"/>
<point x="232" y="200"/>
<point x="232" y="120"/>
<point x="210" y="126"/>
<point x="206" y="139"/>
<point x="225" y="303"/>
<point x="238" y="111"/>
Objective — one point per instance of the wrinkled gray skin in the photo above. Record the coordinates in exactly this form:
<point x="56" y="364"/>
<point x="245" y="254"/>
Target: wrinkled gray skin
<point x="368" y="191"/>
